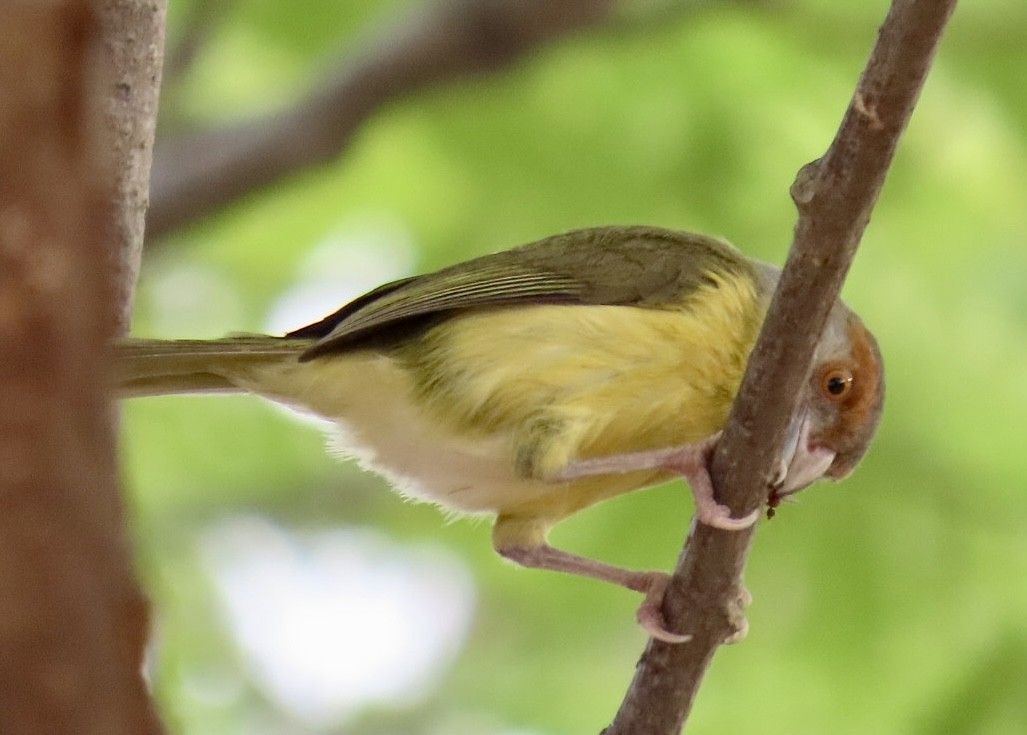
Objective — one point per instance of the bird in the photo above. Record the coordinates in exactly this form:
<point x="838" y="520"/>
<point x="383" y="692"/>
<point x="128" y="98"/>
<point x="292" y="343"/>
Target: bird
<point x="532" y="383"/>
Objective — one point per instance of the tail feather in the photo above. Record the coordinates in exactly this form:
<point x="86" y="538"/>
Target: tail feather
<point x="153" y="367"/>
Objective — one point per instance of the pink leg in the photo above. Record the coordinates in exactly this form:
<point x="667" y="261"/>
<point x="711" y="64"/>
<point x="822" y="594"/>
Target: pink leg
<point x="689" y="460"/>
<point x="651" y="584"/>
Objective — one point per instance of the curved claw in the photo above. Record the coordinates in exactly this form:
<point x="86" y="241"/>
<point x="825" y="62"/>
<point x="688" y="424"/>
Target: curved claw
<point x="740" y="634"/>
<point x="650" y="612"/>
<point x="693" y="462"/>
<point x="690" y="460"/>
<point x="719" y="516"/>
<point x="736" y="614"/>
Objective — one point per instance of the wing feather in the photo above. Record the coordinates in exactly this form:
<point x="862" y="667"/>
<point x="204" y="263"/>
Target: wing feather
<point x="642" y="266"/>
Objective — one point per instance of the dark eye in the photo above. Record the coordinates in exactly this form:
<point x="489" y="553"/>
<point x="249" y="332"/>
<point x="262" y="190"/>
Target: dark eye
<point x="836" y="383"/>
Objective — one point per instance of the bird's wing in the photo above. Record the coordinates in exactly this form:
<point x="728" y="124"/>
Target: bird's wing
<point x="639" y="266"/>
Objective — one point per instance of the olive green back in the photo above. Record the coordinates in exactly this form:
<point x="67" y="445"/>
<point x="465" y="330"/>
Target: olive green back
<point x="646" y="267"/>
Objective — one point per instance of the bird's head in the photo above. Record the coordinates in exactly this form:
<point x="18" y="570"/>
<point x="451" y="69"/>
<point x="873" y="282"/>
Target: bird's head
<point x="840" y="410"/>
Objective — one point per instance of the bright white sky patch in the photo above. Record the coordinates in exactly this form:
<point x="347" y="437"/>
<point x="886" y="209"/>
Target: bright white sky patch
<point x="336" y="620"/>
<point x="347" y="263"/>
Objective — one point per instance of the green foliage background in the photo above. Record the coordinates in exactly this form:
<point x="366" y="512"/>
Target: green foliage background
<point x="895" y="602"/>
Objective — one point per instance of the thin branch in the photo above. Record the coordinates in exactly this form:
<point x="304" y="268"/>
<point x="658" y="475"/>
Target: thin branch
<point x="133" y="34"/>
<point x="198" y="175"/>
<point x="835" y="196"/>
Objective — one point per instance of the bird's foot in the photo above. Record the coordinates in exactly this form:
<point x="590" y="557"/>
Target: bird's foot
<point x="690" y="460"/>
<point x="650" y="612"/>
<point x="693" y="461"/>
<point x="651" y="584"/>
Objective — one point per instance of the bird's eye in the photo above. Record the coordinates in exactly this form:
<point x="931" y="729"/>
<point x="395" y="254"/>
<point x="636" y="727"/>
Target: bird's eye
<point x="836" y="383"/>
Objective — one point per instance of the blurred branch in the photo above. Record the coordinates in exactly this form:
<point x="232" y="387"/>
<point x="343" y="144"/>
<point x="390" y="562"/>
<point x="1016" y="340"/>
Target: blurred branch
<point x="834" y="196"/>
<point x="133" y="33"/>
<point x="650" y="16"/>
<point x="199" y="25"/>
<point x="199" y="174"/>
<point x="72" y="620"/>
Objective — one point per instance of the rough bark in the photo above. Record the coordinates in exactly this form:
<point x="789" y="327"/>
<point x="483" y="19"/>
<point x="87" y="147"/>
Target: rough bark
<point x="835" y="196"/>
<point x="133" y="34"/>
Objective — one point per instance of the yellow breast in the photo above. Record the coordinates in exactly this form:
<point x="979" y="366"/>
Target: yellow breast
<point x="476" y="413"/>
<point x="561" y="383"/>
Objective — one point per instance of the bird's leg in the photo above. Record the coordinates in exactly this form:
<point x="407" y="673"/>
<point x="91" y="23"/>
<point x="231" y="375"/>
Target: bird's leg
<point x="651" y="584"/>
<point x="690" y="460"/>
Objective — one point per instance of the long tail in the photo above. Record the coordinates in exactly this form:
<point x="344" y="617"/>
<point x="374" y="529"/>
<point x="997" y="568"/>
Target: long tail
<point x="153" y="367"/>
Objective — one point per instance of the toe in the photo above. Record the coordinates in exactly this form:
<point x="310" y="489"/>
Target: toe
<point x="736" y="615"/>
<point x="650" y="612"/>
<point x="720" y="517"/>
<point x="654" y="624"/>
<point x="741" y="631"/>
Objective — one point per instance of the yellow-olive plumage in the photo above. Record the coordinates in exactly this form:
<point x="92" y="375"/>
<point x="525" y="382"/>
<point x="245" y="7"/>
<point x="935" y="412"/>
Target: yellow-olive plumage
<point x="504" y="384"/>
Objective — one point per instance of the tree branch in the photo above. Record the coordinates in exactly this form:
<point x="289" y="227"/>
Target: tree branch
<point x="133" y="33"/>
<point x="197" y="175"/>
<point x="835" y="196"/>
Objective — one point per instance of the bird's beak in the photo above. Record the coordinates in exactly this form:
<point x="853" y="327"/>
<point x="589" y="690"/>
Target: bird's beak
<point x="801" y="463"/>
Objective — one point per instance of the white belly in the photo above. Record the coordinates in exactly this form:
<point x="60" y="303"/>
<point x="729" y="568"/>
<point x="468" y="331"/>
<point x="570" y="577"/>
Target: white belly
<point x="369" y="399"/>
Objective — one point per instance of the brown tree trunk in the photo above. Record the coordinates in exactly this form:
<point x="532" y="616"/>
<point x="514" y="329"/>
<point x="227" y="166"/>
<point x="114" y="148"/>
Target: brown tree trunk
<point x="72" y="619"/>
